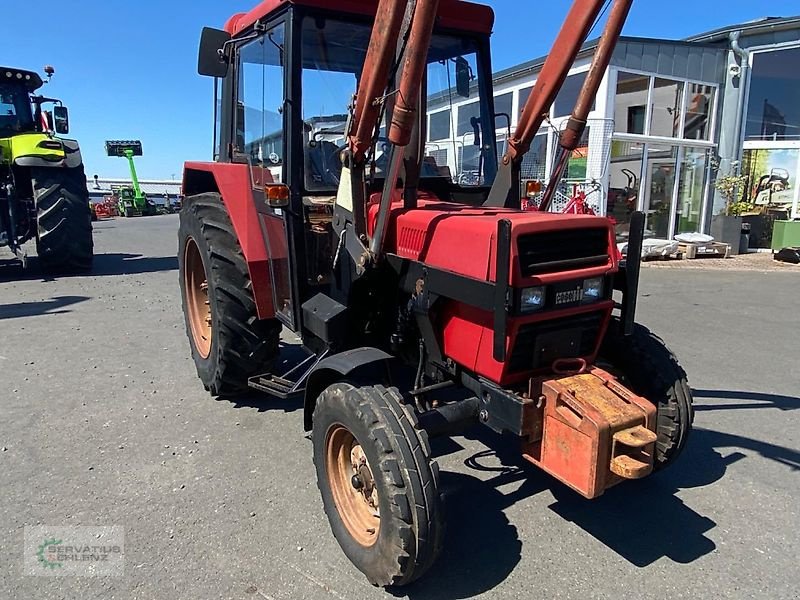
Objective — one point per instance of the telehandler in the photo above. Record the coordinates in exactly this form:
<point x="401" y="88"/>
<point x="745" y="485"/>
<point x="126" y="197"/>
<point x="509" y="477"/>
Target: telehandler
<point x="426" y="302"/>
<point x="131" y="200"/>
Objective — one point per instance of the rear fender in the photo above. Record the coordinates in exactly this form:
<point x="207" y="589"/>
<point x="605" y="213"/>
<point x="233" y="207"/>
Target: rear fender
<point x="232" y="182"/>
<point x="345" y="365"/>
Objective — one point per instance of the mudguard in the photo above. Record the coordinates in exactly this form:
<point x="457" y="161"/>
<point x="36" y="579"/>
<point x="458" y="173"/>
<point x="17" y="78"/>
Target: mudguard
<point x="41" y="150"/>
<point x="232" y="182"/>
<point x="341" y="366"/>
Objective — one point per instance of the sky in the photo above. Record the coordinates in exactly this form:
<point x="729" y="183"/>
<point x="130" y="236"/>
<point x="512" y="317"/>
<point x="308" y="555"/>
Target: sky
<point x="127" y="70"/>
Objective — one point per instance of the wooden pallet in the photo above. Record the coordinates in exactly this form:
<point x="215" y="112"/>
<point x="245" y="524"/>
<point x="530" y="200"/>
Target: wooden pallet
<point x="708" y="250"/>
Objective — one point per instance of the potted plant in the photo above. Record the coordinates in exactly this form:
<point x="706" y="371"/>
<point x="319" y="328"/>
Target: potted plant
<point x="726" y="226"/>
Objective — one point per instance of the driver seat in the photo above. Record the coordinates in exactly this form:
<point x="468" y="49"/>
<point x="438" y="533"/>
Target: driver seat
<point x="323" y="167"/>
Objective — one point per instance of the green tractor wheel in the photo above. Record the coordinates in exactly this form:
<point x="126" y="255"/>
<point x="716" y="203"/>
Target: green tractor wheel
<point x="64" y="233"/>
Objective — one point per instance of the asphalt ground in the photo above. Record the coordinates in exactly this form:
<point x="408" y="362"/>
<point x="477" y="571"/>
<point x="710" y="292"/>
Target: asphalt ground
<point x="104" y="422"/>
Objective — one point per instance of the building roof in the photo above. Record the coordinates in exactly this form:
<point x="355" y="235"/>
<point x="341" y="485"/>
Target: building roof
<point x="151" y="187"/>
<point x="761" y="25"/>
<point x="711" y="38"/>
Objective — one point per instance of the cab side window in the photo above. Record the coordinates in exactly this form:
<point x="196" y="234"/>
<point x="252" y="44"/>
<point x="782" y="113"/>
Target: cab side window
<point x="259" y="106"/>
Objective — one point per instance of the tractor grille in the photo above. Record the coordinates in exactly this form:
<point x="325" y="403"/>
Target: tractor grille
<point x="564" y="250"/>
<point x="538" y="345"/>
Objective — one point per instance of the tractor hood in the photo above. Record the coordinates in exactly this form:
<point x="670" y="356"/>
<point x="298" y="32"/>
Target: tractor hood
<point x="461" y="239"/>
<point x="39" y="150"/>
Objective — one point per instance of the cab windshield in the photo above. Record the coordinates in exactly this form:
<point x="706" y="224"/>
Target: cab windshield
<point x="15" y="109"/>
<point x="460" y="145"/>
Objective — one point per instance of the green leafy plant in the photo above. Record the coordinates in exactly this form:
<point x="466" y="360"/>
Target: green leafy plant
<point x="728" y="185"/>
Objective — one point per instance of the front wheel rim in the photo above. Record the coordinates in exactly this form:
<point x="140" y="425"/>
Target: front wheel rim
<point x="352" y="485"/>
<point x="197" y="300"/>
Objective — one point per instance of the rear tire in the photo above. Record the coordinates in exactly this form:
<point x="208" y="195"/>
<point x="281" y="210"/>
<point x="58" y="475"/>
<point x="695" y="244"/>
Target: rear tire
<point x="229" y="342"/>
<point x="64" y="233"/>
<point x="403" y="542"/>
<point x="650" y="369"/>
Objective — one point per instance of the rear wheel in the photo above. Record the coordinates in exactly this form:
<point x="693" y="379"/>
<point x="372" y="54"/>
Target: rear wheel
<point x="64" y="233"/>
<point x="229" y="342"/>
<point x="645" y="364"/>
<point x="378" y="483"/>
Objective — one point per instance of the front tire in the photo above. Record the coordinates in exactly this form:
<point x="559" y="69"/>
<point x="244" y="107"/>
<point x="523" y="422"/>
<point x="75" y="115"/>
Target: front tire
<point x="650" y="369"/>
<point x="229" y="342"/>
<point x="64" y="227"/>
<point x="378" y="483"/>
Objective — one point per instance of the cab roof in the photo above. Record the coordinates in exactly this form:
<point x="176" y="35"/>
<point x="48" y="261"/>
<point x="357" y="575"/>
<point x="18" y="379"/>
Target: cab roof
<point x="453" y="14"/>
<point x="13" y="75"/>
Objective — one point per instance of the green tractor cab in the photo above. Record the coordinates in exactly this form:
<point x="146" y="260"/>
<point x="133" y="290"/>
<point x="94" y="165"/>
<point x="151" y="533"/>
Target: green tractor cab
<point x="43" y="194"/>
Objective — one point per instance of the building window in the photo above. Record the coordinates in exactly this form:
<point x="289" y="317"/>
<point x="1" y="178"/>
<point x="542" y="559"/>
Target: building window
<point x="699" y="104"/>
<point x="568" y="95"/>
<point x="630" y="102"/>
<point x="524" y="94"/>
<point x="636" y="117"/>
<point x="691" y="185"/>
<point x="773" y="111"/>
<point x="625" y="175"/>
<point x="440" y="125"/>
<point x="466" y="114"/>
<point x="502" y="105"/>
<point x="667" y="102"/>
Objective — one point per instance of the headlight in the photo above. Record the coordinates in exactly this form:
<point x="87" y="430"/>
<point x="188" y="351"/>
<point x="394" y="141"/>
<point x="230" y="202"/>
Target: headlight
<point x="531" y="299"/>
<point x="592" y="290"/>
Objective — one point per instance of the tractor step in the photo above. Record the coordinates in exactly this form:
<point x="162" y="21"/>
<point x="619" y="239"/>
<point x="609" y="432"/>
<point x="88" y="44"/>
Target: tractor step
<point x="281" y="386"/>
<point x="277" y="386"/>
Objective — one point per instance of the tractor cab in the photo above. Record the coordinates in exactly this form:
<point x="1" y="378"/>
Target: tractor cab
<point x="16" y="115"/>
<point x="321" y="71"/>
<point x="22" y="112"/>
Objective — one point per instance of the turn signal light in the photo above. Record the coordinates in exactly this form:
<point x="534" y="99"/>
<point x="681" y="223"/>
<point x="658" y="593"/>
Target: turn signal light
<point x="533" y="188"/>
<point x="277" y="195"/>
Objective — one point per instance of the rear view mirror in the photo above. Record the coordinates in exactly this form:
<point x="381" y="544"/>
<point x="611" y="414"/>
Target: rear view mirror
<point x="211" y="60"/>
<point x="463" y="77"/>
<point x="61" y="119"/>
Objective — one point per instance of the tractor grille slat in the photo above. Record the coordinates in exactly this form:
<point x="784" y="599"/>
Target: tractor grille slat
<point x="538" y="345"/>
<point x="554" y="251"/>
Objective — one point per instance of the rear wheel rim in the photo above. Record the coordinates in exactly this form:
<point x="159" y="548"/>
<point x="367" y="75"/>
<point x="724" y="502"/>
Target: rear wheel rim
<point x="197" y="301"/>
<point x="352" y="485"/>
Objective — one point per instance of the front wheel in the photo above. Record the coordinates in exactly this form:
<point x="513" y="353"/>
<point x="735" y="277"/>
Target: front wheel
<point x="378" y="483"/>
<point x="644" y="363"/>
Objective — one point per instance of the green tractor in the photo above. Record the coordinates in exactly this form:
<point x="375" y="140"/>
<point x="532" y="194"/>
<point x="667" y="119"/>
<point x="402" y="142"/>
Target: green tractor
<point x="131" y="200"/>
<point x="43" y="194"/>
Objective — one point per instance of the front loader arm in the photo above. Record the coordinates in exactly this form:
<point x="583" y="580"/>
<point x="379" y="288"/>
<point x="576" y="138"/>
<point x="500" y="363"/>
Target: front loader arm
<point x="573" y="34"/>
<point x="413" y="20"/>
<point x="137" y="190"/>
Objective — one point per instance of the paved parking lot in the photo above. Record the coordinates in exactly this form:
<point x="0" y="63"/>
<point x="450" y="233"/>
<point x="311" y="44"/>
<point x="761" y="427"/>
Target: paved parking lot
<point x="105" y="423"/>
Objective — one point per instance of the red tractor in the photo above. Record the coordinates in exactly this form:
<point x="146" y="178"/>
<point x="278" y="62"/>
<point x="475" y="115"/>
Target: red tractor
<point x="426" y="302"/>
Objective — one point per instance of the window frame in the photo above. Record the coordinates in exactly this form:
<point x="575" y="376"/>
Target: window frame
<point x="753" y="52"/>
<point x="713" y="111"/>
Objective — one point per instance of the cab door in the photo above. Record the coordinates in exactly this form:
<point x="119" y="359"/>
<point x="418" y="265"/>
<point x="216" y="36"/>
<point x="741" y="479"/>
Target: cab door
<point x="261" y="143"/>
